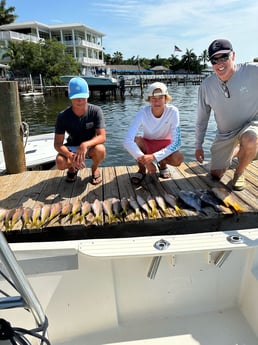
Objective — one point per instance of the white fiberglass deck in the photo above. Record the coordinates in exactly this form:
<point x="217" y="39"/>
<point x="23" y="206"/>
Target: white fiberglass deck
<point x="109" y="299"/>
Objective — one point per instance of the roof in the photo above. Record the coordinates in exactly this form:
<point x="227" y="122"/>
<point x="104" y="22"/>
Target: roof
<point x="126" y="68"/>
<point x="35" y="24"/>
<point x="159" y="68"/>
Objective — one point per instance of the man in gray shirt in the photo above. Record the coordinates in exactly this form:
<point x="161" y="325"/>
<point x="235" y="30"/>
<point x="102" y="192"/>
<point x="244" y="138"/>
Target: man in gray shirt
<point x="232" y="94"/>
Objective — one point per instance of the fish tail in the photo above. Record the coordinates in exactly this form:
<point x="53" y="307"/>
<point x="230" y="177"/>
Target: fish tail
<point x="237" y="207"/>
<point x="137" y="215"/>
<point x="154" y="213"/>
<point x="178" y="210"/>
<point x="81" y="218"/>
<point x="111" y="219"/>
<point x="97" y="219"/>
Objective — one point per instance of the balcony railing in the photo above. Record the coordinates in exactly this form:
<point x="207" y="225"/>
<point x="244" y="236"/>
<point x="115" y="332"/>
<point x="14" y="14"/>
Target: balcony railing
<point x="11" y="35"/>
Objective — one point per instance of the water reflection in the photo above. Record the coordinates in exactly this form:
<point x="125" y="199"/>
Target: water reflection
<point x="40" y="113"/>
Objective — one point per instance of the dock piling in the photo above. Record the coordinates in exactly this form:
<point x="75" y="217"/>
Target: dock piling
<point x="10" y="128"/>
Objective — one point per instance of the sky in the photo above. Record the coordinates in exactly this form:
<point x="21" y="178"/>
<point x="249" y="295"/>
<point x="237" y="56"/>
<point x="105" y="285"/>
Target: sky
<point x="147" y="28"/>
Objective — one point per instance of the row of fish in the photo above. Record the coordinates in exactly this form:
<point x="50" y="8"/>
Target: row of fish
<point x="115" y="209"/>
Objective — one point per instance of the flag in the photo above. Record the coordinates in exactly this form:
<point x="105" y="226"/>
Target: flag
<point x="176" y="49"/>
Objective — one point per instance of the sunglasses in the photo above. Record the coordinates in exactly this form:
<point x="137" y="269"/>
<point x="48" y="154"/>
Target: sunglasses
<point x="222" y="58"/>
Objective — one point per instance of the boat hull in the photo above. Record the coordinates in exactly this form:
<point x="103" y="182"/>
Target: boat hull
<point x="93" y="81"/>
<point x="39" y="151"/>
<point x="100" y="291"/>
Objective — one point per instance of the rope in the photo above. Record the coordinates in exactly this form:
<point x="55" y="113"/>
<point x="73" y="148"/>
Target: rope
<point x="25" y="131"/>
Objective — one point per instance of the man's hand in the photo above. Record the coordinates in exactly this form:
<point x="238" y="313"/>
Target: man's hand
<point x="199" y="155"/>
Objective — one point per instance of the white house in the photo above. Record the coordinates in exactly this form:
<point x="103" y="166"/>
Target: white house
<point x="83" y="42"/>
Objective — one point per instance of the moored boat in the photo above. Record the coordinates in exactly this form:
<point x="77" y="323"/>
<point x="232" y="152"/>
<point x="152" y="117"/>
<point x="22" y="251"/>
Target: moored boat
<point x="39" y="151"/>
<point x="93" y="81"/>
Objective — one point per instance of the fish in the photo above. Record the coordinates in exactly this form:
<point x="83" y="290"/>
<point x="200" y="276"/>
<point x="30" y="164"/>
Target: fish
<point x="35" y="215"/>
<point x="107" y="207"/>
<point x="66" y="208"/>
<point x="171" y="201"/>
<point x="3" y="212"/>
<point x="97" y="209"/>
<point x="191" y="199"/>
<point x="153" y="205"/>
<point x="116" y="206"/>
<point x="76" y="207"/>
<point x="144" y="205"/>
<point x="85" y="209"/>
<point x="8" y="217"/>
<point x="209" y="199"/>
<point x="125" y="205"/>
<point x="17" y="215"/>
<point x="133" y="203"/>
<point x="227" y="198"/>
<point x="27" y="216"/>
<point x="55" y="211"/>
<point x="44" y="214"/>
<point x="162" y="204"/>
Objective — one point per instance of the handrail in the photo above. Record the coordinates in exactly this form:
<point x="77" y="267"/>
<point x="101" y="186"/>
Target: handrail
<point x="20" y="281"/>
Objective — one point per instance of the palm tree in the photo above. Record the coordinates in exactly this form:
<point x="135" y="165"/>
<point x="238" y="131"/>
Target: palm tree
<point x="188" y="58"/>
<point x="117" y="58"/>
<point x="6" y="14"/>
<point x="204" y="57"/>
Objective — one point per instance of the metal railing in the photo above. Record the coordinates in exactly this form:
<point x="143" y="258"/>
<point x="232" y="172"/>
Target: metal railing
<point x="27" y="298"/>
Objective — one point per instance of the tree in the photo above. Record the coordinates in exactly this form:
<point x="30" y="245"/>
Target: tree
<point x="6" y="14"/>
<point x="117" y="58"/>
<point x="57" y="62"/>
<point x="47" y="58"/>
<point x="204" y="57"/>
<point x="189" y="59"/>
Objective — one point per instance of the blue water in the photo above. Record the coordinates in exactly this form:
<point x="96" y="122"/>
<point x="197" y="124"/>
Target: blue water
<point x="40" y="114"/>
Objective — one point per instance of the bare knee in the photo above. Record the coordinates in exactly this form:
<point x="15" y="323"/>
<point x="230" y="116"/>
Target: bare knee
<point x="140" y="143"/>
<point x="175" y="159"/>
<point x="61" y="162"/>
<point x="249" y="141"/>
<point x="98" y="153"/>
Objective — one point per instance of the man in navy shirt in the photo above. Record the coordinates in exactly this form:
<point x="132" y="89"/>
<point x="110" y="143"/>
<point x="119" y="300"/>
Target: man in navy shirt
<point x="85" y="125"/>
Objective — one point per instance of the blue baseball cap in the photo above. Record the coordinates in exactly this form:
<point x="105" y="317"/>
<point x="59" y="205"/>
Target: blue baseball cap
<point x="78" y="88"/>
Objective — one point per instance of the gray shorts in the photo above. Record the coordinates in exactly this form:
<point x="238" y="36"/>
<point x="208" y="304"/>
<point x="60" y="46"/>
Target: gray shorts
<point x="222" y="150"/>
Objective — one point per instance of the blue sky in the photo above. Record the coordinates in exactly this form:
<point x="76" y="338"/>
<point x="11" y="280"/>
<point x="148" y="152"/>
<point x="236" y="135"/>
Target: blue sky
<point x="147" y="28"/>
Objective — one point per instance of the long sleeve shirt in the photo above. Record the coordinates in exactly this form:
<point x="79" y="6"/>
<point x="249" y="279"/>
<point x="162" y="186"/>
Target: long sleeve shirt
<point x="233" y="113"/>
<point x="153" y="128"/>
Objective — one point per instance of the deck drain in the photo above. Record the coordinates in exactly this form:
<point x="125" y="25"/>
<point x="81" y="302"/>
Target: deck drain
<point x="235" y="239"/>
<point x="161" y="244"/>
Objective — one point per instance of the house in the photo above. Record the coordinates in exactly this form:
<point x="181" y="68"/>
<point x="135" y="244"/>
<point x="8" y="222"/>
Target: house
<point x="83" y="42"/>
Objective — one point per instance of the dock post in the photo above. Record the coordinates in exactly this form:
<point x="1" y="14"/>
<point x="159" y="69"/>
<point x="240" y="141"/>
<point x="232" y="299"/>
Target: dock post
<point x="10" y="128"/>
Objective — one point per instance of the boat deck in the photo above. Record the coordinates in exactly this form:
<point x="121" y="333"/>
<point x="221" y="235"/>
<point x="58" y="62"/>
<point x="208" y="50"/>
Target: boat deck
<point x="33" y="188"/>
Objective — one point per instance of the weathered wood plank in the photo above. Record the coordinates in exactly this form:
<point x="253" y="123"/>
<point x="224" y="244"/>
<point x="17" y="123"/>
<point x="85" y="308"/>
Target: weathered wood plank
<point x="49" y="187"/>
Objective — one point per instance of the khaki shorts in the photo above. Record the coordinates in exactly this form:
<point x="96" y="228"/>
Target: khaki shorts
<point x="222" y="150"/>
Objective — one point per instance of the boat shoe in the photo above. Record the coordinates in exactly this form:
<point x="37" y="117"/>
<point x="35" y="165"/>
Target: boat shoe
<point x="238" y="182"/>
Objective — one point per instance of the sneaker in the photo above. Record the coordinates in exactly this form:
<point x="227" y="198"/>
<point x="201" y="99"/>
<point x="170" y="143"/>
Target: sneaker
<point x="238" y="182"/>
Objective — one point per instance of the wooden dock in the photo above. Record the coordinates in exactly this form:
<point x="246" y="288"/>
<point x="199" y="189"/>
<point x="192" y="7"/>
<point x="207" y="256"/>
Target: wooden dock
<point x="33" y="188"/>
